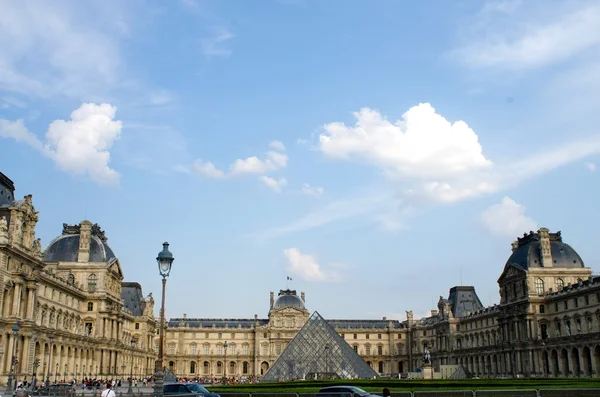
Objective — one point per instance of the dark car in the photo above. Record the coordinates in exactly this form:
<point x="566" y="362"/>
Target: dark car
<point x="343" y="391"/>
<point x="179" y="388"/>
<point x="198" y="388"/>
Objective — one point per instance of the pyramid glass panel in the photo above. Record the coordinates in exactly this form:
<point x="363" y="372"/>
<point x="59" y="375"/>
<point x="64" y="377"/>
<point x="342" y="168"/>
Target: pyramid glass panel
<point x="318" y="352"/>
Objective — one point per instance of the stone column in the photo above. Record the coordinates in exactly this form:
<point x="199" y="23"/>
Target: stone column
<point x="16" y="301"/>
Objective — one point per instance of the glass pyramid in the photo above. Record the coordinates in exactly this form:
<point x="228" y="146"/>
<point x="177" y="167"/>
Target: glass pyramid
<point x="318" y="352"/>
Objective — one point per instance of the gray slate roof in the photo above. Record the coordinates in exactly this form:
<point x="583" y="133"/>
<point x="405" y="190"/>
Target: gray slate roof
<point x="464" y="300"/>
<point x="131" y="293"/>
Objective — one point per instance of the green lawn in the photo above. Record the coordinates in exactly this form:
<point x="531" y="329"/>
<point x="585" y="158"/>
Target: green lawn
<point x="410" y="385"/>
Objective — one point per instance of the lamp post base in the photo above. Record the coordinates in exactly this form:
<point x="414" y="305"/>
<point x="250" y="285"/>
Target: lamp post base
<point x="159" y="379"/>
<point x="130" y="388"/>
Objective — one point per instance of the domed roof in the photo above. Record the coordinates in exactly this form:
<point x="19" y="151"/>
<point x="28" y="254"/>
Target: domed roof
<point x="65" y="248"/>
<point x="288" y="298"/>
<point x="527" y="252"/>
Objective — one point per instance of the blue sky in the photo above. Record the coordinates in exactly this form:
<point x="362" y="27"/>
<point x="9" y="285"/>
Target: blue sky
<point x="378" y="153"/>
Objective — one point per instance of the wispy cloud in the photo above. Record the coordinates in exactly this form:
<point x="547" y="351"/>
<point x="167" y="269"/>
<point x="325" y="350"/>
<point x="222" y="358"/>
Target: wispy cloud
<point x="214" y="45"/>
<point x="527" y="43"/>
<point x="308" y="268"/>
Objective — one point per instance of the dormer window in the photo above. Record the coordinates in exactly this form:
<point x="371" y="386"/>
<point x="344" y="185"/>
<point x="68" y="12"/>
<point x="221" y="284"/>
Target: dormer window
<point x="560" y="284"/>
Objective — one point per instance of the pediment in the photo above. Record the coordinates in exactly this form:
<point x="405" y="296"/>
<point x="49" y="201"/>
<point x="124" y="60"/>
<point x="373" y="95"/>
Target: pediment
<point x="511" y="271"/>
<point x="114" y="267"/>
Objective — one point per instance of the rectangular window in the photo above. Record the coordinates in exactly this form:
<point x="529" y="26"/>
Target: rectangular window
<point x="88" y="328"/>
<point x="171" y="349"/>
<point x="245" y="336"/>
<point x="556" y="306"/>
<point x="220" y="335"/>
<point x="232" y="336"/>
<point x="220" y="350"/>
<point x="587" y="300"/>
<point x="206" y="335"/>
<point x="137" y="325"/>
<point x="380" y="350"/>
<point x="278" y="348"/>
<point x="245" y="350"/>
<point x="90" y="307"/>
<point x="355" y="336"/>
<point x="193" y="348"/>
<point x="566" y="304"/>
<point x="343" y="335"/>
<point x="355" y="348"/>
<point x="367" y="336"/>
<point x="206" y="350"/>
<point x="576" y="301"/>
<point x="542" y="309"/>
<point x="378" y="336"/>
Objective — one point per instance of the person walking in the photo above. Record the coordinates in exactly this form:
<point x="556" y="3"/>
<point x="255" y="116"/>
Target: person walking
<point x="386" y="392"/>
<point x="108" y="392"/>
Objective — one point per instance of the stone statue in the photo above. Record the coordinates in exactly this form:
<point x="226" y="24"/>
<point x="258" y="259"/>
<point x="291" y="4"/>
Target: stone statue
<point x="37" y="246"/>
<point x="3" y="226"/>
<point x="426" y="356"/>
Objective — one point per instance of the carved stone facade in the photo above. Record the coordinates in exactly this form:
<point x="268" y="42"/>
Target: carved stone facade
<point x="68" y="301"/>
<point x="195" y="347"/>
<point x="547" y="324"/>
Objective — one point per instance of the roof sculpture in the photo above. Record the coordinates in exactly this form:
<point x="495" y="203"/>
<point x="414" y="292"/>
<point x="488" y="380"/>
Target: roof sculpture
<point x="318" y="351"/>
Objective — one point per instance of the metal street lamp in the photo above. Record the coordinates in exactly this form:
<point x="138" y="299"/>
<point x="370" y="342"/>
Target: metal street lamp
<point x="56" y="374"/>
<point x="130" y="388"/>
<point x="224" y="361"/>
<point x="13" y="361"/>
<point x="165" y="261"/>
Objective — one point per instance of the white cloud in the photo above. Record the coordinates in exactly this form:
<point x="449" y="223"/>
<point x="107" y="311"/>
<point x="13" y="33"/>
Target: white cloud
<point x="253" y="165"/>
<point x="277" y="145"/>
<point x="208" y="169"/>
<point x="312" y="190"/>
<point x="213" y="46"/>
<point x="272" y="161"/>
<point x="51" y="49"/>
<point x="591" y="166"/>
<point x="78" y="146"/>
<point x="507" y="219"/>
<point x="534" y="42"/>
<point x="274" y="184"/>
<point x="423" y="144"/>
<point x="307" y="268"/>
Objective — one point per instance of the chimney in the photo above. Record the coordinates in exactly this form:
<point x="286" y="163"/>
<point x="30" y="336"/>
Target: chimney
<point x="545" y="249"/>
<point x="302" y="296"/>
<point x="272" y="298"/>
<point x="514" y="245"/>
<point x="85" y="236"/>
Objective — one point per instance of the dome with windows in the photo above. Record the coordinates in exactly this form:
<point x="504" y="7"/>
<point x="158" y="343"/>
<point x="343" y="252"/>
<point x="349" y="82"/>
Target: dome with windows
<point x="527" y="251"/>
<point x="288" y="298"/>
<point x="66" y="247"/>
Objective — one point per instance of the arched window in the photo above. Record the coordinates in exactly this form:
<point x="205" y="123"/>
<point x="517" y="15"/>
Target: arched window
<point x="539" y="286"/>
<point x="245" y="367"/>
<point x="92" y="282"/>
<point x="381" y="367"/>
<point x="219" y="367"/>
<point x="192" y="367"/>
<point x="560" y="284"/>
<point x="206" y="367"/>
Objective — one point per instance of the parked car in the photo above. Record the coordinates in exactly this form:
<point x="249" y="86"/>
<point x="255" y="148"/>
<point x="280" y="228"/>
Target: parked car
<point x="198" y="388"/>
<point x="343" y="391"/>
<point x="171" y="389"/>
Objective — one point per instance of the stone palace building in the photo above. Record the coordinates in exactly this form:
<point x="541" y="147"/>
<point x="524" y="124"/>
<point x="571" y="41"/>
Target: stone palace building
<point x="547" y="324"/>
<point x="76" y="317"/>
